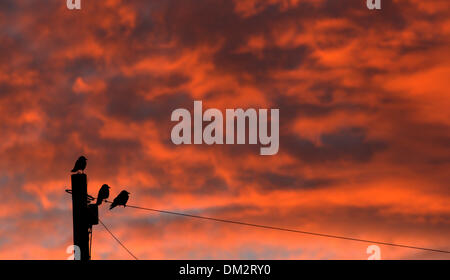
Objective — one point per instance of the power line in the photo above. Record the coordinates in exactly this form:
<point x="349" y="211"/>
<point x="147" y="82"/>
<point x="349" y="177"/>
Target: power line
<point x="90" y="241"/>
<point x="118" y="241"/>
<point x="289" y="230"/>
<point x="272" y="228"/>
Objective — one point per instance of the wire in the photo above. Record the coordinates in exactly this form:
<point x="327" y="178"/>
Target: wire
<point x="90" y="242"/>
<point x="279" y="229"/>
<point x="89" y="197"/>
<point x="118" y="241"/>
<point x="289" y="230"/>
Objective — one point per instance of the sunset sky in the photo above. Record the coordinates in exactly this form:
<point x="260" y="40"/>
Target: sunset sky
<point x="364" y="125"/>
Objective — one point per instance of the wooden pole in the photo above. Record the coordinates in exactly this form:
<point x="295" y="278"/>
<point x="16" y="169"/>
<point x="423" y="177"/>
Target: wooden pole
<point x="79" y="210"/>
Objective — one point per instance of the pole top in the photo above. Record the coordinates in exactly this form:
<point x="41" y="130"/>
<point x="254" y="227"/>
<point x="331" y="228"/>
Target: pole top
<point x="79" y="176"/>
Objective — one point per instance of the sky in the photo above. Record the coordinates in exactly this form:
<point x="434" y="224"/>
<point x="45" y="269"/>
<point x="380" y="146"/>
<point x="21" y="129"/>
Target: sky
<point x="364" y="126"/>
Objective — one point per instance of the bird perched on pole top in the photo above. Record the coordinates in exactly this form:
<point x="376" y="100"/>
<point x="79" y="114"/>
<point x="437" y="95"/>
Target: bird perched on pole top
<point x="121" y="199"/>
<point x="80" y="164"/>
<point x="103" y="194"/>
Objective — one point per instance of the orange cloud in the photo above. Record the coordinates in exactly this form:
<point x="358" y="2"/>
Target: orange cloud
<point x="364" y="125"/>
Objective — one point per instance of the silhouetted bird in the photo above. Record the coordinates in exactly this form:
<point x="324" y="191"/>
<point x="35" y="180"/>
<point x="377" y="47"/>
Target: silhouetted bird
<point x="103" y="194"/>
<point x="121" y="199"/>
<point x="80" y="164"/>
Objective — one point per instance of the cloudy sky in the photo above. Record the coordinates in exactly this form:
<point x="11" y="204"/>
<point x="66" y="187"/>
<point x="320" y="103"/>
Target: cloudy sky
<point x="364" y="125"/>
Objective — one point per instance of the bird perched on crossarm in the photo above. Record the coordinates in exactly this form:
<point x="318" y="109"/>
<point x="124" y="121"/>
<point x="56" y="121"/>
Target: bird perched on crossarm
<point x="103" y="194"/>
<point x="121" y="199"/>
<point x="80" y="164"/>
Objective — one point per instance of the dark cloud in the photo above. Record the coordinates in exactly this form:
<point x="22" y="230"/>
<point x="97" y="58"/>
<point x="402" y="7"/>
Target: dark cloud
<point x="103" y="82"/>
<point x="350" y="144"/>
<point x="136" y="107"/>
<point x="277" y="181"/>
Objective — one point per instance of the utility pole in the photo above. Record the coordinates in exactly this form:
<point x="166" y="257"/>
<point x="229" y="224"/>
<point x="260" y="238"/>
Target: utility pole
<point x="81" y="227"/>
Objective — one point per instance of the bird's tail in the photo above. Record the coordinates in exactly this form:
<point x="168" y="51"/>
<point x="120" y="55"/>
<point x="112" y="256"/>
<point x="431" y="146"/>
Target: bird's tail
<point x="99" y="202"/>
<point x="112" y="206"/>
<point x="73" y="170"/>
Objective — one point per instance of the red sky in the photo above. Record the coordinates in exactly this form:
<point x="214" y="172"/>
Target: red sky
<point x="364" y="125"/>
